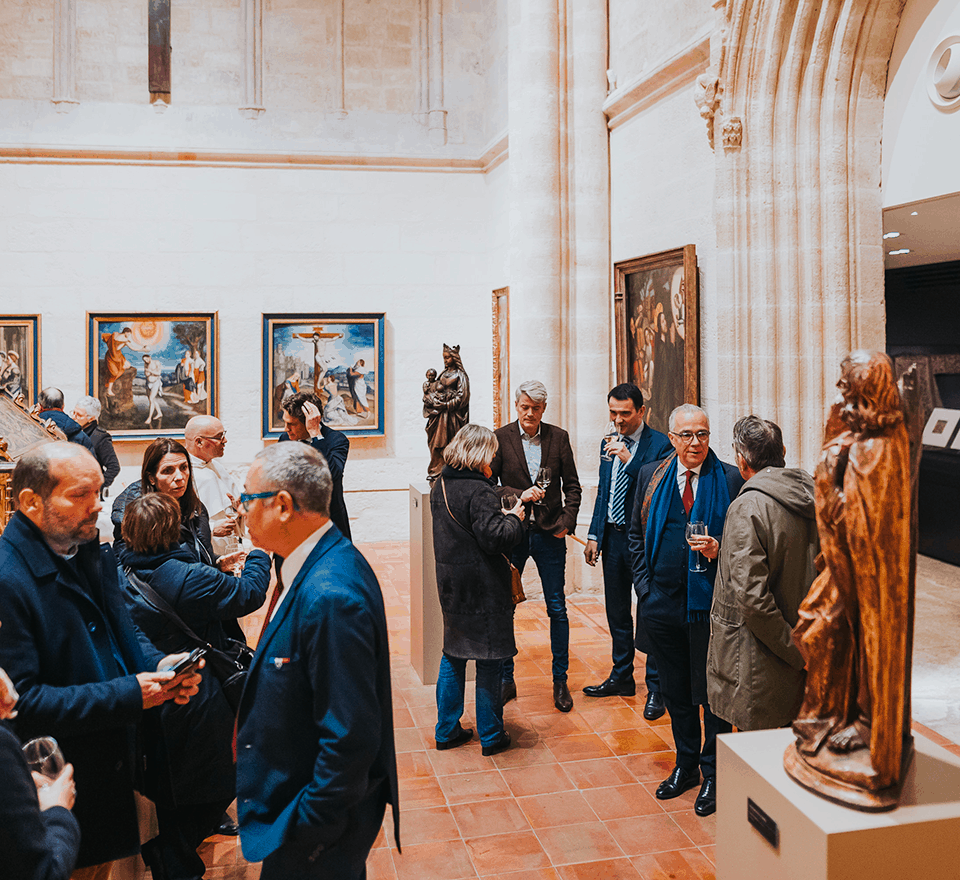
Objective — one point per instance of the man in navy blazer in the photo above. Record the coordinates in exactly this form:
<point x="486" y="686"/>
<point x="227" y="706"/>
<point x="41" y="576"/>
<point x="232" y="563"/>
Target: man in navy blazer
<point x="620" y="462"/>
<point x="71" y="650"/>
<point x="316" y="762"/>
<point x="674" y="596"/>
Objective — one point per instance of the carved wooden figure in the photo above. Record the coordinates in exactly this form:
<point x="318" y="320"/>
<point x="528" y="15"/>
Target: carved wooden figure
<point x="856" y="623"/>
<point x="446" y="406"/>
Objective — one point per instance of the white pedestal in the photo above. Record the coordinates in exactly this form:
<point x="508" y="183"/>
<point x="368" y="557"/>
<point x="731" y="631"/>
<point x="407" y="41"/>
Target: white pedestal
<point x="426" y="620"/>
<point x="819" y="839"/>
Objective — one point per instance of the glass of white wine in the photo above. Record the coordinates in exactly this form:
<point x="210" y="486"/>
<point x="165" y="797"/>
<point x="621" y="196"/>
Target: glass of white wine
<point x="543" y="480"/>
<point x="43" y="756"/>
<point x="610" y="433"/>
<point x="696" y="530"/>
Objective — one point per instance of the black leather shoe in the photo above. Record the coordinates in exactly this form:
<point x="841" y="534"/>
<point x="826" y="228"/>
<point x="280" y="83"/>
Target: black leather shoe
<point x="502" y="743"/>
<point x="612" y="688"/>
<point x="228" y="829"/>
<point x="654" y="708"/>
<point x="464" y="736"/>
<point x="706" y="802"/>
<point x="508" y="692"/>
<point x="677" y="783"/>
<point x="561" y="696"/>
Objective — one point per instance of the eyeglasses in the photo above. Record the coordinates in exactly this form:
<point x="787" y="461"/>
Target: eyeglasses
<point x="687" y="436"/>
<point x="247" y="497"/>
<point x="219" y="438"/>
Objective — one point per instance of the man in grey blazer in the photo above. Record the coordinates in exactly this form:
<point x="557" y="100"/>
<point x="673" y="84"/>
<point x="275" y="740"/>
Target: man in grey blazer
<point x="527" y="445"/>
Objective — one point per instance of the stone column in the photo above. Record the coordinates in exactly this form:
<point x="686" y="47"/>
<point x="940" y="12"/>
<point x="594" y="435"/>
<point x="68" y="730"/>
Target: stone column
<point x="65" y="55"/>
<point x="252" y="16"/>
<point x="536" y="338"/>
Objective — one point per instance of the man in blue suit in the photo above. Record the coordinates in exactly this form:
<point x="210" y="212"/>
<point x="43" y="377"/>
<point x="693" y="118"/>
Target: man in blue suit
<point x="620" y="462"/>
<point x="316" y="763"/>
<point x="51" y="407"/>
<point x="674" y="577"/>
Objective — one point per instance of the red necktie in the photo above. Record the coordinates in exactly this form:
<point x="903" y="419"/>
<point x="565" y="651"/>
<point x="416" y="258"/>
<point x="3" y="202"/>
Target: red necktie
<point x="687" y="497"/>
<point x="278" y="590"/>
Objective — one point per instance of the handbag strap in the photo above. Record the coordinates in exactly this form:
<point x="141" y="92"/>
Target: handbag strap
<point x="443" y="486"/>
<point x="154" y="599"/>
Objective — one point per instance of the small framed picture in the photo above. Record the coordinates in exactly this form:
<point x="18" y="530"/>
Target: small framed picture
<point x="20" y="357"/>
<point x="339" y="357"/>
<point x="940" y="427"/>
<point x="152" y="371"/>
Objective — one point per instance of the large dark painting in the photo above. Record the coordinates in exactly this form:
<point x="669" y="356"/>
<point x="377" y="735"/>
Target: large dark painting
<point x="658" y="345"/>
<point x="20" y="356"/>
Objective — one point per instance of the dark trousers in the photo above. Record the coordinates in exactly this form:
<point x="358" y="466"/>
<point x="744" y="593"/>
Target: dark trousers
<point x="550" y="555"/>
<point x="172" y="854"/>
<point x="618" y="600"/>
<point x="677" y="648"/>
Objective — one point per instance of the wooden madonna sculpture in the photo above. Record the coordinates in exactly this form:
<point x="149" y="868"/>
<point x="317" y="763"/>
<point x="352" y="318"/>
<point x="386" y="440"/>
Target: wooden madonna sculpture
<point x="856" y="624"/>
<point x="446" y="406"/>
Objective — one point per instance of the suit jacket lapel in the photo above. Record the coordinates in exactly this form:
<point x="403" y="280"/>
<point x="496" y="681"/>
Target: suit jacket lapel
<point x="516" y="447"/>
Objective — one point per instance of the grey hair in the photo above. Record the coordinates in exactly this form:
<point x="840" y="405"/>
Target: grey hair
<point x="300" y="470"/>
<point x="535" y="390"/>
<point x="686" y="409"/>
<point x="760" y="442"/>
<point x="473" y="448"/>
<point x="90" y="405"/>
<point x="50" y="398"/>
<point x="33" y="468"/>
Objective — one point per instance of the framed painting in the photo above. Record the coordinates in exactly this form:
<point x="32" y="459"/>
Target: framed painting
<point x="20" y="357"/>
<point x="338" y="357"/>
<point x="152" y="371"/>
<point x="656" y="308"/>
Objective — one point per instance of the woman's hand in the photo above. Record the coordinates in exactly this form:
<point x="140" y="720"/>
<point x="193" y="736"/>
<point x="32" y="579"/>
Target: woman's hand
<point x="228" y="561"/>
<point x="519" y="511"/>
<point x="60" y="792"/>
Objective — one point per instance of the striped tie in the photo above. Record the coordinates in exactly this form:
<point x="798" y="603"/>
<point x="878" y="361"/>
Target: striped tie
<point x="620" y="489"/>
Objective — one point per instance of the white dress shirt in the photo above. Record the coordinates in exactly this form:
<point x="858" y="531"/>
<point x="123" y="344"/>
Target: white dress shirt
<point x="294" y="562"/>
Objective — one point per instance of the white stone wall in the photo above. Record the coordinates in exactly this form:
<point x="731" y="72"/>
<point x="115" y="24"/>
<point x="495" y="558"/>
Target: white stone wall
<point x="417" y="246"/>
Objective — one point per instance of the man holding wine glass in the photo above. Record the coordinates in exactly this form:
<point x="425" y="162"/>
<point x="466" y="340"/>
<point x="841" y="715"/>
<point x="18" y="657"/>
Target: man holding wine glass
<point x="535" y="461"/>
<point x="631" y="445"/>
<point x="674" y="575"/>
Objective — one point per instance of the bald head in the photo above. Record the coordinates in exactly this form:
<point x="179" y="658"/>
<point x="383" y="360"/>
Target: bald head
<point x="57" y="487"/>
<point x="205" y="437"/>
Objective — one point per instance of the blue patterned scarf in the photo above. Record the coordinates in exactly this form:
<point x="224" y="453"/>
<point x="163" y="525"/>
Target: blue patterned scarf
<point x="710" y="506"/>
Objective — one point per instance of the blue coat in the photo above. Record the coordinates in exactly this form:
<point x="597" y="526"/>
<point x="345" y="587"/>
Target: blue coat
<point x="334" y="446"/>
<point x="75" y="434"/>
<point x="315" y="753"/>
<point x="652" y="446"/>
<point x="62" y="644"/>
<point x="199" y="735"/>
<point x="35" y="845"/>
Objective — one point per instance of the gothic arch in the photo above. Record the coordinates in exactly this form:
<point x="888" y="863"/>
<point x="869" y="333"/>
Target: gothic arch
<point x="798" y="114"/>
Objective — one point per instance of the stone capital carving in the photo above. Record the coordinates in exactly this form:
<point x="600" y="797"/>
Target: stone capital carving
<point x="707" y="98"/>
<point x="732" y="133"/>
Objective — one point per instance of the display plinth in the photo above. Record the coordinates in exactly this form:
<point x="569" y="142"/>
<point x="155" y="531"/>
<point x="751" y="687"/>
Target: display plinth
<point x="819" y="839"/>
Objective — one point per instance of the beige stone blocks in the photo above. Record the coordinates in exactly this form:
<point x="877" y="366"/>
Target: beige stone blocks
<point x="26" y="49"/>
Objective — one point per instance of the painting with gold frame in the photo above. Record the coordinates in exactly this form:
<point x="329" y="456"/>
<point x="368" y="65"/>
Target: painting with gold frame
<point x="339" y="357"/>
<point x="152" y="371"/>
<point x="20" y="356"/>
<point x="656" y="308"/>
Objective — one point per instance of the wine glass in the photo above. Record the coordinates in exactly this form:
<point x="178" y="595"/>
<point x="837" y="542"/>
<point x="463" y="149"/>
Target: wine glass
<point x="610" y="433"/>
<point x="697" y="530"/>
<point x="508" y="502"/>
<point x="43" y="756"/>
<point x="233" y="546"/>
<point x="543" y="480"/>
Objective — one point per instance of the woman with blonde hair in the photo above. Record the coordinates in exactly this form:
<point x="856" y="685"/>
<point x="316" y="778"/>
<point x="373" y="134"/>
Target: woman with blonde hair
<point x="471" y="535"/>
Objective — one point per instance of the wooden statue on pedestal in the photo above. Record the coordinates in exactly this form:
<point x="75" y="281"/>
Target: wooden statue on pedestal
<point x="856" y="623"/>
<point x="446" y="406"/>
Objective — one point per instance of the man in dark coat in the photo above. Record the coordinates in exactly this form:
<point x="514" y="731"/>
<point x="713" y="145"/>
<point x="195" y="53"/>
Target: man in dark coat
<point x="527" y="445"/>
<point x="674" y="597"/>
<point x="620" y="461"/>
<point x="51" y="407"/>
<point x="70" y="647"/>
<point x="316" y="762"/>
<point x="303" y="420"/>
<point x="86" y="411"/>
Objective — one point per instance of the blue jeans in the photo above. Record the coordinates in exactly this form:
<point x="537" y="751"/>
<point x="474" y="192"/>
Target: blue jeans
<point x="450" y="684"/>
<point x="550" y="555"/>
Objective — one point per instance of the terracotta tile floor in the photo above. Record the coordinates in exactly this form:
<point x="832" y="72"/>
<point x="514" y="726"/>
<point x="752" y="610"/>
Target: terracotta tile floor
<point x="573" y="799"/>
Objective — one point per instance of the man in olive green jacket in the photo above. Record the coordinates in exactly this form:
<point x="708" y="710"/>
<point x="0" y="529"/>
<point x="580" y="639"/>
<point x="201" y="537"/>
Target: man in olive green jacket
<point x="755" y="674"/>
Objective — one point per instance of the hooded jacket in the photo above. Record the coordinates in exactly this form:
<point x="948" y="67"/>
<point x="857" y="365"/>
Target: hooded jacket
<point x="755" y="673"/>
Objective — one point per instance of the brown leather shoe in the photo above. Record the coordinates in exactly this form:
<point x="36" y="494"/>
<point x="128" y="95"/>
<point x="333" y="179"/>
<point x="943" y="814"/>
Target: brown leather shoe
<point x="561" y="696"/>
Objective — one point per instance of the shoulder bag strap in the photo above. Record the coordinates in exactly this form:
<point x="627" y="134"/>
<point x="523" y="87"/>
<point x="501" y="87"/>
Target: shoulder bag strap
<point x="443" y="487"/>
<point x="155" y="600"/>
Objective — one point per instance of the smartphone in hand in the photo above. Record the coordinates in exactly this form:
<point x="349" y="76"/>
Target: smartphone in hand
<point x="189" y="663"/>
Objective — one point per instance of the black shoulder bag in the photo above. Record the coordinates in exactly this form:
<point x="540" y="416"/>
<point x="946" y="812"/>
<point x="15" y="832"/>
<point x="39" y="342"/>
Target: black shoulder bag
<point x="230" y="666"/>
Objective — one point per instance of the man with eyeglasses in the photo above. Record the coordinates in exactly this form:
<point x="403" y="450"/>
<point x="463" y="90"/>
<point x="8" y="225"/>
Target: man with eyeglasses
<point x="316" y="762"/>
<point x="689" y="486"/>
<point x="206" y="440"/>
